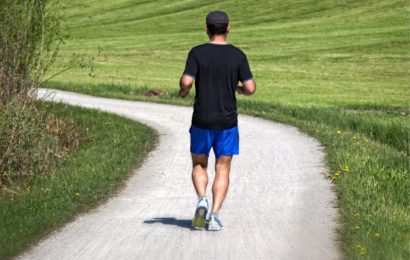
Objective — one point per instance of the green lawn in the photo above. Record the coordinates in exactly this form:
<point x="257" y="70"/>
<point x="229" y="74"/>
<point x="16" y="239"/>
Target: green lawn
<point x="338" y="70"/>
<point x="301" y="52"/>
<point x="93" y="172"/>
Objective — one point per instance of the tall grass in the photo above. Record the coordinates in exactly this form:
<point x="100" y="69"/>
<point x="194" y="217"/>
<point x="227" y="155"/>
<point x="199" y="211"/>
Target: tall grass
<point x="32" y="141"/>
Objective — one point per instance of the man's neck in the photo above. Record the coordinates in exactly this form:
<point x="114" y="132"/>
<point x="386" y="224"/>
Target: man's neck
<point x="218" y="39"/>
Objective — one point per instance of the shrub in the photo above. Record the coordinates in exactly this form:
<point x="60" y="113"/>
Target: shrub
<point x="29" y="40"/>
<point x="31" y="141"/>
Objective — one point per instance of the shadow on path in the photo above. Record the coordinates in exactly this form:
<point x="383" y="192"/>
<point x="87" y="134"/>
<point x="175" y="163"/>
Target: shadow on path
<point x="184" y="223"/>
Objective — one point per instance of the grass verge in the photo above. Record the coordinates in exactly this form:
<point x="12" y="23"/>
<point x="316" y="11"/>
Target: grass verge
<point x="367" y="154"/>
<point x="91" y="174"/>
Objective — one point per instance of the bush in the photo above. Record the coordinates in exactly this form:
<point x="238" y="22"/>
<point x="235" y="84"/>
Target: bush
<point x="31" y="141"/>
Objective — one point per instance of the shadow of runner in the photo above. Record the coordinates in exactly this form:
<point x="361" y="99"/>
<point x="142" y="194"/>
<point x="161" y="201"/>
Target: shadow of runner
<point x="184" y="223"/>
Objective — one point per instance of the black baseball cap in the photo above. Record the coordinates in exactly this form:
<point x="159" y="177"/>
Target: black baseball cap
<point x="217" y="17"/>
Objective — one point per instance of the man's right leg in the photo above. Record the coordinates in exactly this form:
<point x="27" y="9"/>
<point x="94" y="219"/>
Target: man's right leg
<point x="219" y="190"/>
<point x="226" y="145"/>
<point x="221" y="182"/>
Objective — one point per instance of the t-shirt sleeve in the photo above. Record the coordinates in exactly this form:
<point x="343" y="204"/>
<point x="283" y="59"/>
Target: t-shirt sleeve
<point x="245" y="73"/>
<point x="191" y="67"/>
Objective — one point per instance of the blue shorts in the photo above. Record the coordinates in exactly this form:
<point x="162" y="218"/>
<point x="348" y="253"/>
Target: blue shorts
<point x="224" y="142"/>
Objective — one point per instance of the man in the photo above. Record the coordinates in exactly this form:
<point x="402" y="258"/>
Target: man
<point x="219" y="69"/>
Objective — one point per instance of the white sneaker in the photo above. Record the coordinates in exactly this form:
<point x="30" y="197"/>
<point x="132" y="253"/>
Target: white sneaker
<point x="214" y="223"/>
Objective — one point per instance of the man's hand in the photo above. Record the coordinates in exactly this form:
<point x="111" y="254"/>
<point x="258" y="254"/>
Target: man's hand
<point x="185" y="84"/>
<point x="247" y="88"/>
<point x="239" y="88"/>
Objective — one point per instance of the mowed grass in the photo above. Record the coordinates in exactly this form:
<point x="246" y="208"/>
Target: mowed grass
<point x="301" y="52"/>
<point x="93" y="172"/>
<point x="338" y="70"/>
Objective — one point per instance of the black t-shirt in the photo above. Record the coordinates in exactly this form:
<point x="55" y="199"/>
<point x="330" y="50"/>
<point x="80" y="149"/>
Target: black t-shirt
<point x="217" y="69"/>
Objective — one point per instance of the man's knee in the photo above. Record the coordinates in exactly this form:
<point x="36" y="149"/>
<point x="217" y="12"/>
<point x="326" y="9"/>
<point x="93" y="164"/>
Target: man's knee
<point x="199" y="160"/>
<point x="223" y="162"/>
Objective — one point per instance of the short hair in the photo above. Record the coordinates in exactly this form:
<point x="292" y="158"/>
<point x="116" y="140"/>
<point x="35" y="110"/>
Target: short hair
<point x="216" y="29"/>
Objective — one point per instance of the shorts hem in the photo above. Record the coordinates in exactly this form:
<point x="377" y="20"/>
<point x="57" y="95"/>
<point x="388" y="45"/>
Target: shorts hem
<point x="232" y="154"/>
<point x="207" y="155"/>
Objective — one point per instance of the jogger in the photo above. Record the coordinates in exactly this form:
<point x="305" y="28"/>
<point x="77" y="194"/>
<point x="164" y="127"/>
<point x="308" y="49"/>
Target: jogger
<point x="219" y="70"/>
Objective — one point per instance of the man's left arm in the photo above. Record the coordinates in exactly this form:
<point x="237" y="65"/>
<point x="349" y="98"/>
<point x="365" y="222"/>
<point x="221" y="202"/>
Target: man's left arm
<point x="185" y="85"/>
<point x="188" y="77"/>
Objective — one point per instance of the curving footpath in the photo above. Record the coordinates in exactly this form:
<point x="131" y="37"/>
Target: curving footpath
<point x="280" y="204"/>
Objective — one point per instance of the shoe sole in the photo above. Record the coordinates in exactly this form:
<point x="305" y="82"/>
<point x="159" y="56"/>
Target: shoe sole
<point x="199" y="222"/>
<point x="214" y="228"/>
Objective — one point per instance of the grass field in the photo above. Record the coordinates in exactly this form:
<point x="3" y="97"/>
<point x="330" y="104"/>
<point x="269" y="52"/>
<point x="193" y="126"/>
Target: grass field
<point x="80" y="183"/>
<point x="339" y="70"/>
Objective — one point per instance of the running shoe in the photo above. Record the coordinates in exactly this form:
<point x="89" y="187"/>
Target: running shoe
<point x="199" y="220"/>
<point x="214" y="223"/>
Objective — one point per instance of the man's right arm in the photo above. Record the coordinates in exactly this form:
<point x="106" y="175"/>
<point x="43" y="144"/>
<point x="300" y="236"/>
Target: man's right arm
<point x="246" y="84"/>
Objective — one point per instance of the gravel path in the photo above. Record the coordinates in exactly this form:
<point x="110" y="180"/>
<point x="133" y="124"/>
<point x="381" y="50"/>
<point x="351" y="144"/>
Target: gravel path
<point x="280" y="204"/>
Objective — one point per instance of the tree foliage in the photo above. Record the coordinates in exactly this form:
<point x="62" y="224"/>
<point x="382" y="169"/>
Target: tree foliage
<point x="29" y="40"/>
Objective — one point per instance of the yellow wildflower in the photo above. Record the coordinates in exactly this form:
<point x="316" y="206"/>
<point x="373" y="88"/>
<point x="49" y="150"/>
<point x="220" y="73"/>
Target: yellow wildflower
<point x="77" y="194"/>
<point x="361" y="249"/>
<point x="345" y="168"/>
<point x="338" y="132"/>
<point x="377" y="234"/>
